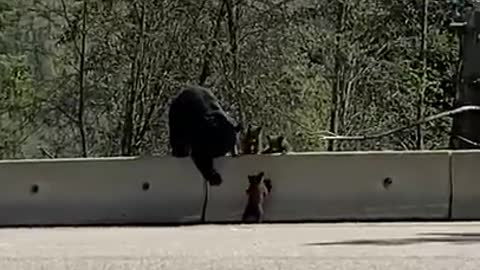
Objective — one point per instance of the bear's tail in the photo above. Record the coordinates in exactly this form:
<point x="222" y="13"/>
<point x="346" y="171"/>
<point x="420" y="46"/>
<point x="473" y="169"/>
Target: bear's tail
<point x="205" y="166"/>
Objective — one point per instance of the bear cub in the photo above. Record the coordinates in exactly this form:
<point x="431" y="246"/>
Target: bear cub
<point x="201" y="129"/>
<point x="258" y="189"/>
<point x="277" y="144"/>
<point x="251" y="143"/>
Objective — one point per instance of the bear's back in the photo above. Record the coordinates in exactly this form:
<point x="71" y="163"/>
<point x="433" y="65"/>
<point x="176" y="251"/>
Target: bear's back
<point x="196" y="100"/>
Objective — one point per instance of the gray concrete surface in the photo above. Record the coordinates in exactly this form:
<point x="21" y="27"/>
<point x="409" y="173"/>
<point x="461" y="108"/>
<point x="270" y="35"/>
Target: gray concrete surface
<point x="360" y="246"/>
<point x="466" y="188"/>
<point x="100" y="191"/>
<point x="343" y="185"/>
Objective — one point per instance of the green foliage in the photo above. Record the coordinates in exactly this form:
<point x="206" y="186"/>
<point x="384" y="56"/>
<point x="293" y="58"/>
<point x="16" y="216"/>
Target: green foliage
<point x="273" y="64"/>
<point x="17" y="106"/>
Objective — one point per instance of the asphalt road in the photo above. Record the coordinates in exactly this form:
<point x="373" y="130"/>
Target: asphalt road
<point x="356" y="246"/>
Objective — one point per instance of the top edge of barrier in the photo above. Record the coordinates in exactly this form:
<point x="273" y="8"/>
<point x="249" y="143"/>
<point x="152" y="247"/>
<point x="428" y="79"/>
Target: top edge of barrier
<point x="324" y="153"/>
<point x="369" y="152"/>
<point x="388" y="152"/>
<point x="68" y="159"/>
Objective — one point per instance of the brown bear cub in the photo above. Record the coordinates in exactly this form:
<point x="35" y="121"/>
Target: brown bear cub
<point x="258" y="189"/>
<point x="277" y="144"/>
<point x="251" y="143"/>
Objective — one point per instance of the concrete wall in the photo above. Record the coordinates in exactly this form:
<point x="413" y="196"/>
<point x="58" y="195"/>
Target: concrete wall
<point x="341" y="186"/>
<point x="466" y="185"/>
<point x="306" y="187"/>
<point x="100" y="191"/>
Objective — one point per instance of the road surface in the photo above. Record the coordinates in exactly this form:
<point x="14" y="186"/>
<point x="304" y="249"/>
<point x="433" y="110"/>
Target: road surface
<point x="358" y="246"/>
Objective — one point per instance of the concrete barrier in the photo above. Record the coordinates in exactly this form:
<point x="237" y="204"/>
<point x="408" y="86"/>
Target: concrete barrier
<point x="338" y="186"/>
<point x="306" y="186"/>
<point x="100" y="191"/>
<point x="466" y="185"/>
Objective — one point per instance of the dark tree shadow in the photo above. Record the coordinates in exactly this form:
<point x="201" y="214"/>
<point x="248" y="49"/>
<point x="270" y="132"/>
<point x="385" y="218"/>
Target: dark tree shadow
<point x="453" y="238"/>
<point x="452" y="234"/>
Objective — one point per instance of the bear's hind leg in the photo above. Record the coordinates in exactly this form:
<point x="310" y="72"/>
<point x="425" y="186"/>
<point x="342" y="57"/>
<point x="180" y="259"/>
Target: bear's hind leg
<point x="205" y="166"/>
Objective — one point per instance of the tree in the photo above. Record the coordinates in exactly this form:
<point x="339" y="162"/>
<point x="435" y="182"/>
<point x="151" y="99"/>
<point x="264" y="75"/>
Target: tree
<point x="99" y="75"/>
<point x="465" y="130"/>
<point x="18" y="101"/>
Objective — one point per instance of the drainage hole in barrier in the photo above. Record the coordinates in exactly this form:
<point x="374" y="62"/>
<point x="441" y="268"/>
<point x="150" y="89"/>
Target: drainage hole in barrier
<point x="387" y="182"/>
<point x="146" y="186"/>
<point x="34" y="189"/>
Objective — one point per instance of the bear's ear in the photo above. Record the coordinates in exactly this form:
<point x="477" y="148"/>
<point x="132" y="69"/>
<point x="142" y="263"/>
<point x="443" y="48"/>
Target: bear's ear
<point x="261" y="175"/>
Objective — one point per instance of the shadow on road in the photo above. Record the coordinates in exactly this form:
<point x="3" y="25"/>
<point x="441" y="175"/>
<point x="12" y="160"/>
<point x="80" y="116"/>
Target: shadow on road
<point x="454" y="238"/>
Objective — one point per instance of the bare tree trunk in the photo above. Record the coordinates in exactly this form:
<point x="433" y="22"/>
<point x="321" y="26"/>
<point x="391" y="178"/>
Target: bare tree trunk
<point x="453" y="144"/>
<point x="128" y="125"/>
<point x="208" y="51"/>
<point x="466" y="128"/>
<point x="81" y="78"/>
<point x="232" y="14"/>
<point x="336" y="87"/>
<point x="421" y="94"/>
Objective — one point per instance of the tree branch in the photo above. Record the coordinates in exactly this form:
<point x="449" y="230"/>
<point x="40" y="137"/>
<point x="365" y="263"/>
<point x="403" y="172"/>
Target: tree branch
<point x="45" y="152"/>
<point x="70" y="24"/>
<point x="467" y="140"/>
<point x="414" y="124"/>
<point x="208" y="51"/>
<point x="81" y="80"/>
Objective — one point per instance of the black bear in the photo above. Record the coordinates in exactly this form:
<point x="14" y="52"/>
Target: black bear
<point x="257" y="190"/>
<point x="201" y="129"/>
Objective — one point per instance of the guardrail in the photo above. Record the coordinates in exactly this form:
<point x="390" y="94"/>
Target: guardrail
<point x="427" y="185"/>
